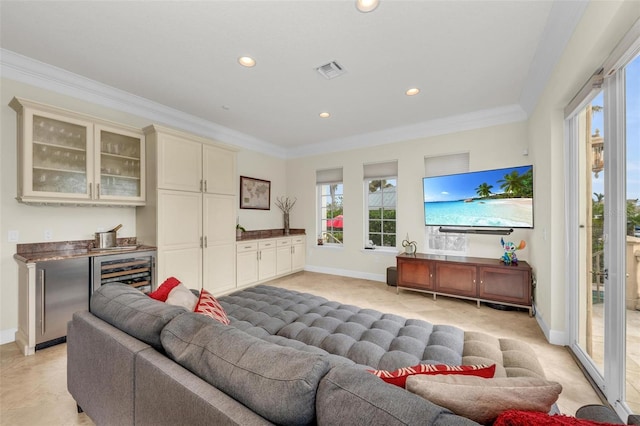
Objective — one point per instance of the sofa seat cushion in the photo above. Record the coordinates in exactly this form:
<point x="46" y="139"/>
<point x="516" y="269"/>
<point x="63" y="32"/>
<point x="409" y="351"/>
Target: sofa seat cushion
<point x="278" y="383"/>
<point x="133" y="312"/>
<point x="514" y="358"/>
<point x="364" y="336"/>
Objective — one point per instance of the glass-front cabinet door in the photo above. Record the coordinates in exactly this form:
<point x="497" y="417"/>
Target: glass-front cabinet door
<point x="58" y="161"/>
<point x="67" y="157"/>
<point x="120" y="164"/>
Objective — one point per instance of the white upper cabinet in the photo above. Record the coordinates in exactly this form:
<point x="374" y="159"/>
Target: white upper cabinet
<point x="66" y="157"/>
<point x="179" y="163"/>
<point x="189" y="163"/>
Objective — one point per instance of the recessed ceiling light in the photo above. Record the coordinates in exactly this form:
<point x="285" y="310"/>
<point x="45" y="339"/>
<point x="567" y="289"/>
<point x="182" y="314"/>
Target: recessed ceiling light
<point x="412" y="92"/>
<point x="367" y="5"/>
<point x="325" y="115"/>
<point x="246" y="61"/>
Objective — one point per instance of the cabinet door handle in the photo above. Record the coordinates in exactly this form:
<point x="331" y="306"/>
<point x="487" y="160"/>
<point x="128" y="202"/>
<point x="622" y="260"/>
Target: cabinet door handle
<point x="206" y="244"/>
<point x="201" y="185"/>
<point x="43" y="327"/>
<point x="201" y="245"/>
<point x="205" y="186"/>
<point x="98" y="191"/>
<point x="260" y="255"/>
<point x="90" y="190"/>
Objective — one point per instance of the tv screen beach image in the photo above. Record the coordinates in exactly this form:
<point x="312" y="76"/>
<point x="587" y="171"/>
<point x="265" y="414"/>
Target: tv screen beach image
<point x="489" y="198"/>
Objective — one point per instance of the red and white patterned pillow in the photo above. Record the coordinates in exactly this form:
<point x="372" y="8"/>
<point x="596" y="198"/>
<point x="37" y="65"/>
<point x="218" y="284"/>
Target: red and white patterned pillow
<point x="399" y="376"/>
<point x="209" y="305"/>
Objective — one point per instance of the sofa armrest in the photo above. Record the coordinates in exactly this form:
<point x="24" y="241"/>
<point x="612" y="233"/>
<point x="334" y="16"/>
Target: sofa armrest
<point x="100" y="369"/>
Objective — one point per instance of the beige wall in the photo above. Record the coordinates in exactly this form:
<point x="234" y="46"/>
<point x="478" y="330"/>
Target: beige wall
<point x="491" y="147"/>
<point x="602" y="26"/>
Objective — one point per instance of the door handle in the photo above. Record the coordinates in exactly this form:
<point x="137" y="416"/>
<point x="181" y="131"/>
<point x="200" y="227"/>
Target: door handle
<point x="43" y="327"/>
<point x="604" y="273"/>
<point x="206" y="244"/>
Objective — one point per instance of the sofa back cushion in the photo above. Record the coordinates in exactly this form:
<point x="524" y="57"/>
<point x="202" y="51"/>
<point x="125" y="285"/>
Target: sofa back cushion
<point x="350" y="395"/>
<point x="133" y="312"/>
<point x="278" y="383"/>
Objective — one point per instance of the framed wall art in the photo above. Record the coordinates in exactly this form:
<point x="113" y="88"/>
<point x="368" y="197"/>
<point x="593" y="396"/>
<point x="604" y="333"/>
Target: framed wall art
<point x="255" y="193"/>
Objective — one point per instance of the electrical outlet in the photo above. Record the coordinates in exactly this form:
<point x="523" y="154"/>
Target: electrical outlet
<point x="13" y="236"/>
<point x="48" y="235"/>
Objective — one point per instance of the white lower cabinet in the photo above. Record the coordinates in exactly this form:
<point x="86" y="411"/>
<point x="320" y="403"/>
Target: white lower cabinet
<point x="247" y="263"/>
<point x="298" y="254"/>
<point x="262" y="260"/>
<point x="283" y="256"/>
<point x="266" y="259"/>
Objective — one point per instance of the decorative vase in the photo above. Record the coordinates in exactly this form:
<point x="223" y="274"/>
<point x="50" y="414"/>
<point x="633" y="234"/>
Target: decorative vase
<point x="286" y="223"/>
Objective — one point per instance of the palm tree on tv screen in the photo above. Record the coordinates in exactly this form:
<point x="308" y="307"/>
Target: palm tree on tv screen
<point x="518" y="185"/>
<point x="484" y="190"/>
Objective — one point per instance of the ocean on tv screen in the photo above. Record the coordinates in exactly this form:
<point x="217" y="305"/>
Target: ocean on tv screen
<point x="503" y="212"/>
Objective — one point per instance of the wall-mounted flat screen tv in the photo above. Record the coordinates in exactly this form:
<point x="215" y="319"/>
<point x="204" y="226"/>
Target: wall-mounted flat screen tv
<point x="499" y="198"/>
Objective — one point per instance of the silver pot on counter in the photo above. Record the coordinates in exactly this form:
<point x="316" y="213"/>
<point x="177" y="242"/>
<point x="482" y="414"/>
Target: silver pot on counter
<point x="107" y="239"/>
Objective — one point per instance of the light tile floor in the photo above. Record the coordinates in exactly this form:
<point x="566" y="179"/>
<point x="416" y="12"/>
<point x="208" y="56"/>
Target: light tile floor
<point x="33" y="389"/>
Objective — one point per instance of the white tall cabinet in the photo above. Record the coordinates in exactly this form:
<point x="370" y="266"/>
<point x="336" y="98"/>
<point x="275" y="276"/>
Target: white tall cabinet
<point x="191" y="209"/>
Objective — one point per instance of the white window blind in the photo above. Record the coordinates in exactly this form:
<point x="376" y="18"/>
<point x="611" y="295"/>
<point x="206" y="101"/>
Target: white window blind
<point x="329" y="176"/>
<point x="380" y="170"/>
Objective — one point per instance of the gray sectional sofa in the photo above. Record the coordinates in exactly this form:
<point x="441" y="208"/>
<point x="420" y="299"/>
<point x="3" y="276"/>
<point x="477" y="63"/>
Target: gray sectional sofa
<point x="286" y="358"/>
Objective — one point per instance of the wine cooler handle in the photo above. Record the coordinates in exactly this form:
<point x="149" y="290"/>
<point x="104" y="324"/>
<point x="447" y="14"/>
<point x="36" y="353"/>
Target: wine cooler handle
<point x="43" y="327"/>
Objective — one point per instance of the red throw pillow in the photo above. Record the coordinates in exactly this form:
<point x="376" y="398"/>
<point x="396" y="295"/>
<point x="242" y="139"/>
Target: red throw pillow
<point x="399" y="376"/>
<point x="531" y="418"/>
<point x="165" y="288"/>
<point x="209" y="305"/>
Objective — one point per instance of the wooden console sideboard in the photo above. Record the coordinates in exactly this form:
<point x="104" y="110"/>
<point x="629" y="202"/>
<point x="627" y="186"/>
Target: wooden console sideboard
<point x="474" y="278"/>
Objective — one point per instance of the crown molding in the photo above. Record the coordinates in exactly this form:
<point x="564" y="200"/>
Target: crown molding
<point x="26" y="70"/>
<point x="39" y="74"/>
<point x="441" y="126"/>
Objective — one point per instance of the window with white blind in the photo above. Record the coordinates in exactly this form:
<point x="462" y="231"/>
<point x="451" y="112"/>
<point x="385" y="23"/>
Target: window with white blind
<point x="330" y="218"/>
<point x="380" y="189"/>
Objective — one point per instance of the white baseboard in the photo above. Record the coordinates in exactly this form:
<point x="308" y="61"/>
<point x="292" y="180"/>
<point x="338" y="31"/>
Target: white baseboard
<point x="555" y="337"/>
<point x="346" y="273"/>
<point x="8" y="336"/>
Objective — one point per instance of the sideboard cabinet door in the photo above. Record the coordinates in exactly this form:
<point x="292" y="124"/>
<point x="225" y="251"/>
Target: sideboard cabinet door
<point x="415" y="273"/>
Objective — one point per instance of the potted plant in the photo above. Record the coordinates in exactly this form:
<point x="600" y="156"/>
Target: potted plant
<point x="286" y="205"/>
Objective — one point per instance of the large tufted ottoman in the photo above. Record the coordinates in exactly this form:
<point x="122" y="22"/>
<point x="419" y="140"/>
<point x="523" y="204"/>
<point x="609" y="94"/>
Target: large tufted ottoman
<point x="352" y="335"/>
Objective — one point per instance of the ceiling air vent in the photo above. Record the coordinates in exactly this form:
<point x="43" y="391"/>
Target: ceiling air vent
<point x="331" y="70"/>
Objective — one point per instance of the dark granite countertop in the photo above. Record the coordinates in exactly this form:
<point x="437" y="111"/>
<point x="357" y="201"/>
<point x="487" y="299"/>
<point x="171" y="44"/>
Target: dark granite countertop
<point x="60" y="250"/>
<point x="269" y="233"/>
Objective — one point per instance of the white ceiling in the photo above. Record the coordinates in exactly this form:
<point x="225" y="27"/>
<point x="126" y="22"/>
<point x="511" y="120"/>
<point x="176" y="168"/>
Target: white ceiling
<point x="470" y="59"/>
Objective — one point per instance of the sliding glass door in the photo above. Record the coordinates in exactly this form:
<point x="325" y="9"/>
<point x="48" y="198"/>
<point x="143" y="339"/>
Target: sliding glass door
<point x="604" y="234"/>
